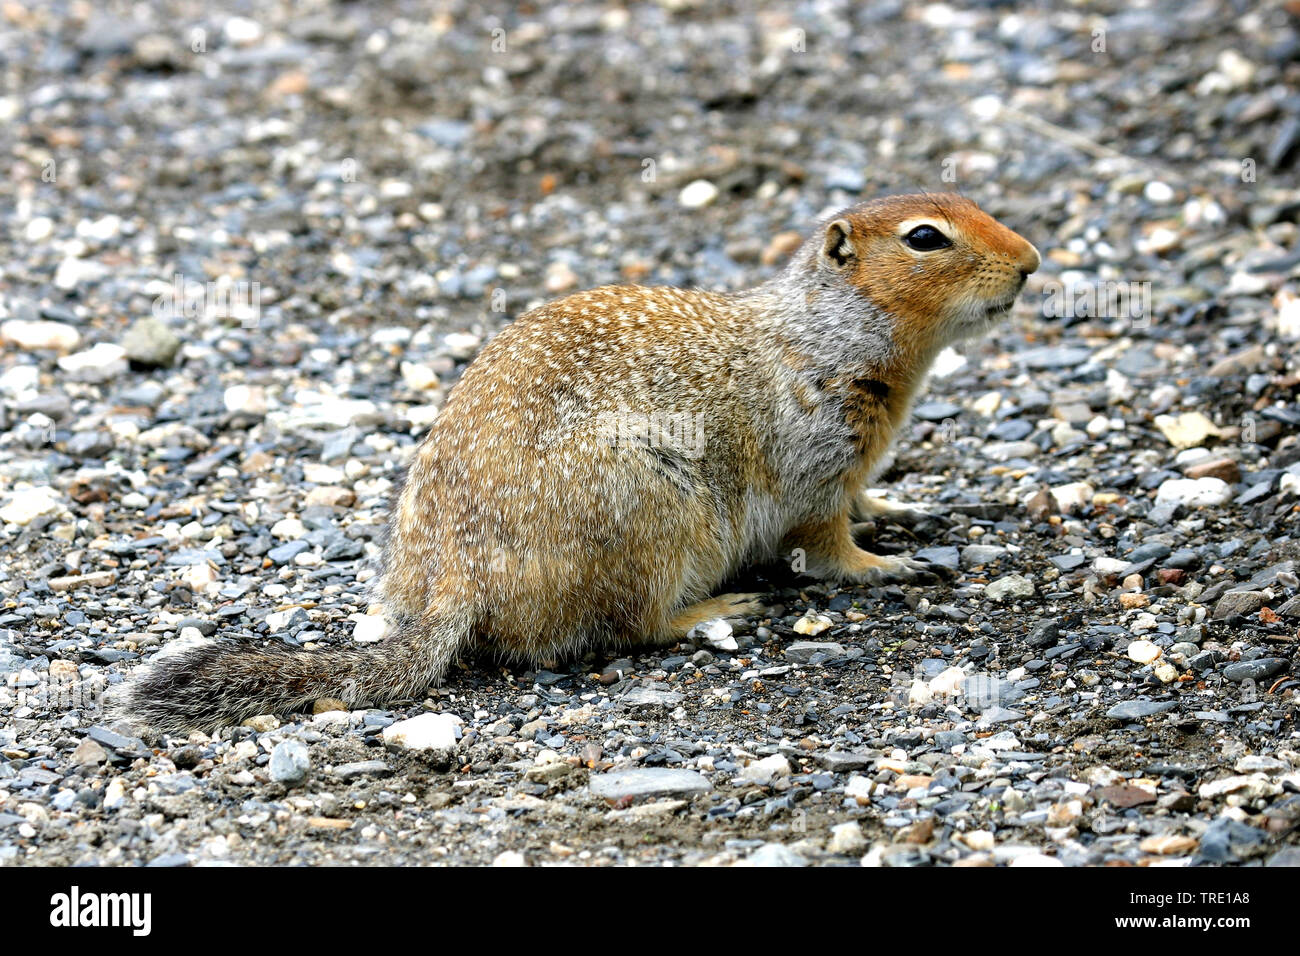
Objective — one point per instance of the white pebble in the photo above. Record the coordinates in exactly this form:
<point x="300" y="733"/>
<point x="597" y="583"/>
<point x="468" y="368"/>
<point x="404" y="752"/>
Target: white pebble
<point x="812" y="624"/>
<point x="698" y="194"/>
<point x="1194" y="492"/>
<point x="1158" y="192"/>
<point x="1144" y="652"/>
<point x="425" y="732"/>
<point x="99" y="363"/>
<point x="846" y="838"/>
<point x="28" y="504"/>
<point x="40" y="335"/>
<point x="717" y="634"/>
<point x="288" y="529"/>
<point x="245" y="400"/>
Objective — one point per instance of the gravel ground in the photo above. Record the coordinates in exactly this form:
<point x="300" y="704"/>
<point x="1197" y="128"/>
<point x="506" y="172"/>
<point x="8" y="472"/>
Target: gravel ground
<point x="245" y="252"/>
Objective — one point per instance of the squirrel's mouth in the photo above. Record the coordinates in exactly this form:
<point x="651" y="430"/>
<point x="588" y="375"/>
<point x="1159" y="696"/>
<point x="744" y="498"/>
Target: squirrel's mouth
<point x="1000" y="308"/>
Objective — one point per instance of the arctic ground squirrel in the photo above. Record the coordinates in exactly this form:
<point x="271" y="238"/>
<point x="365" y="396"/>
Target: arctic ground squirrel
<point x="611" y="458"/>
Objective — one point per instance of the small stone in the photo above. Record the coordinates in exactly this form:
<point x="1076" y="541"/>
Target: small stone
<point x="96" y="365"/>
<point x="953" y="680"/>
<point x="362" y="768"/>
<point x="88" y="752"/>
<point x="1064" y="814"/>
<point x="286" y="552"/>
<point x="28" y="504"/>
<point x="1186" y="430"/>
<point x="63" y="670"/>
<point x="509" y="858"/>
<point x="978" y="555"/>
<point x="278" y="621"/>
<point x="840" y="761"/>
<point x="717" y="633"/>
<point x="149" y="342"/>
<point x="1159" y="192"/>
<point x="94" y="579"/>
<point x="1168" y="845"/>
<point x="289" y="762"/>
<point x="859" y="788"/>
<point x="1109" y="567"/>
<point x="115" y="794"/>
<point x="780" y="247"/>
<point x="1194" y="493"/>
<point x="648" y="782"/>
<point x="773" y="854"/>
<point x="1098" y="426"/>
<point x="646" y="697"/>
<point x="1130" y="601"/>
<point x="1257" y="763"/>
<point x="698" y="194"/>
<point x="1165" y="672"/>
<point x="288" y="529"/>
<point x="1144" y="652"/>
<point x="38" y="335"/>
<point x="1044" y="634"/>
<point x="1124" y="796"/>
<point x="1225" y="785"/>
<point x="1041" y="506"/>
<point x="812" y="624"/>
<point x="1257" y="670"/>
<point x="803" y="652"/>
<point x="326" y="705"/>
<point x="92" y="444"/>
<point x="1225" y="469"/>
<point x="846" y="839"/>
<point x="946" y="556"/>
<point x="918" y="833"/>
<point x="329" y="496"/>
<point x="1139" y="709"/>
<point x="1288" y="856"/>
<point x="425" y="732"/>
<point x="1009" y="588"/>
<point x="247" y="400"/>
<point x="1072" y="497"/>
<point x="1238" y="602"/>
<point x="263" y="723"/>
<point x="559" y="278"/>
<point x="763" y="772"/>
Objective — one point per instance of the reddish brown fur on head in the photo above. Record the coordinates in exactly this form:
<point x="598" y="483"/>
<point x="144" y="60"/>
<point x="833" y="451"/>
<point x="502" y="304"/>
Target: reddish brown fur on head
<point x="935" y="295"/>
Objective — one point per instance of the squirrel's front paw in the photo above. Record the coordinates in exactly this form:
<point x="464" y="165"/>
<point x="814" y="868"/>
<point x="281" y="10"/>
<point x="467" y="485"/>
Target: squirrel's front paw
<point x="863" y="567"/>
<point x="896" y="569"/>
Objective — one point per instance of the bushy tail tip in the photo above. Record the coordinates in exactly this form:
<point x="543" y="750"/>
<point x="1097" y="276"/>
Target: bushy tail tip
<point x="221" y="682"/>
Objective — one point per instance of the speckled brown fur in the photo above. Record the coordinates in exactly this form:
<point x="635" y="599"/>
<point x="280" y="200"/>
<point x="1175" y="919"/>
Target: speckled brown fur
<point x="612" y="457"/>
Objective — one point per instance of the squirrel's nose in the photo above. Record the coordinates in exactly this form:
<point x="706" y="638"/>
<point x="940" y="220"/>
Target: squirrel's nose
<point x="1030" y="260"/>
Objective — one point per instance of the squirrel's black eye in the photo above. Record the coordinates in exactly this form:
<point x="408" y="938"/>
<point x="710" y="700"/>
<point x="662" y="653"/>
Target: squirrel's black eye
<point x="926" y="239"/>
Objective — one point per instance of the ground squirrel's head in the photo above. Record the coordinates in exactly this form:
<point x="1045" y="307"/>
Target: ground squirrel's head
<point x="937" y="264"/>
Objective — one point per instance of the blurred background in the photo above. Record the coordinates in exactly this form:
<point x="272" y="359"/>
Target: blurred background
<point x="396" y="162"/>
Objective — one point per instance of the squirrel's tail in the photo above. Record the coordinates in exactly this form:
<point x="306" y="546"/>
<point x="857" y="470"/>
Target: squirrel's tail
<point x="225" y="682"/>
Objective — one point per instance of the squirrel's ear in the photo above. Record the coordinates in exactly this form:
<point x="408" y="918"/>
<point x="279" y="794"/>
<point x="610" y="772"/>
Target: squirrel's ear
<point x="837" y="248"/>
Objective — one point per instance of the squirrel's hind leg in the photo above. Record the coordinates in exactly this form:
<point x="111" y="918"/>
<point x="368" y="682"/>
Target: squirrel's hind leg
<point x="724" y="605"/>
